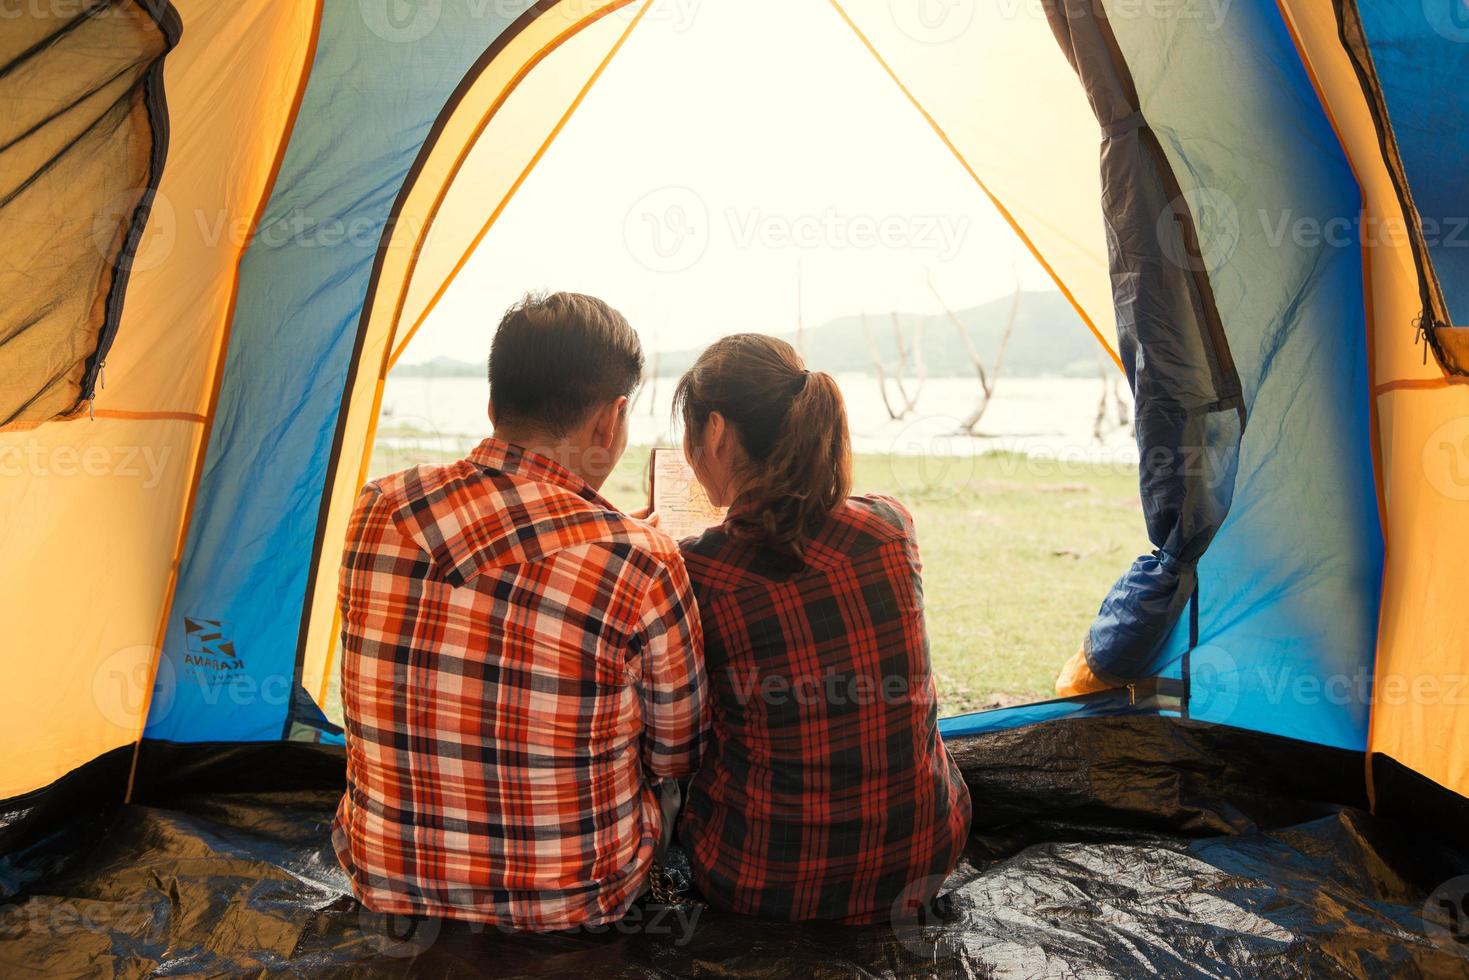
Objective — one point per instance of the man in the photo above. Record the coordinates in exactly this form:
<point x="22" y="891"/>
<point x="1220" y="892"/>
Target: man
<point x="522" y="661"/>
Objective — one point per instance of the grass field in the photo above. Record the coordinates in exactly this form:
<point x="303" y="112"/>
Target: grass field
<point x="1017" y="554"/>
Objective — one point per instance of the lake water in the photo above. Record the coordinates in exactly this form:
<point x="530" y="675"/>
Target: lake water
<point x="1044" y="418"/>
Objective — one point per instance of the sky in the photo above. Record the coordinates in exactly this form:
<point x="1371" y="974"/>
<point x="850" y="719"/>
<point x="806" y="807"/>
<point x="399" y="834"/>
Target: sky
<point x="724" y="175"/>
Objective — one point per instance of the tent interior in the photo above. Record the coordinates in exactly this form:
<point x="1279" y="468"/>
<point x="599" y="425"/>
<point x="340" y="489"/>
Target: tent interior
<point x="229" y="223"/>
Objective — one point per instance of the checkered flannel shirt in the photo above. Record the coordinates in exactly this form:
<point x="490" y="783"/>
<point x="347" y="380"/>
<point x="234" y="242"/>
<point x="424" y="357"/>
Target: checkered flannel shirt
<point x="826" y="792"/>
<point x="521" y="665"/>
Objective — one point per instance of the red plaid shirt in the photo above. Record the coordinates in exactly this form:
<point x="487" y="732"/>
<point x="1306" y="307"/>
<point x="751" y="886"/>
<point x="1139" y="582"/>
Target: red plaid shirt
<point x="521" y="664"/>
<point x="827" y="793"/>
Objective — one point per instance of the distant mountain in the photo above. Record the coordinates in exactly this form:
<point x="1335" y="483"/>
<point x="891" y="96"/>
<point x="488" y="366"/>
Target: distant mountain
<point x="1049" y="340"/>
<point x="442" y="367"/>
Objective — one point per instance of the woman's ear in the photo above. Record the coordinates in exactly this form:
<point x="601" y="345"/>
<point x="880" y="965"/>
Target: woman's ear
<point x="716" y="438"/>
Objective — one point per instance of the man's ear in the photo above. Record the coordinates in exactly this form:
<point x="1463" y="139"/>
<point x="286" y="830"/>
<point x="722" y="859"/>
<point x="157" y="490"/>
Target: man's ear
<point x="490" y="411"/>
<point x="604" y="433"/>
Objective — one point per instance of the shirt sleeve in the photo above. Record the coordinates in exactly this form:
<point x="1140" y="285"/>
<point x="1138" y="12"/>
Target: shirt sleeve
<point x="673" y="686"/>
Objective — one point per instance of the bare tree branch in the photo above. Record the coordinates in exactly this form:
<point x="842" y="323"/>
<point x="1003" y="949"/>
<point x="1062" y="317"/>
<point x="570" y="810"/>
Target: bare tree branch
<point x="877" y="362"/>
<point x="988" y="379"/>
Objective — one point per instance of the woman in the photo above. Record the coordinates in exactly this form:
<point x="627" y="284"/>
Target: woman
<point x="827" y="793"/>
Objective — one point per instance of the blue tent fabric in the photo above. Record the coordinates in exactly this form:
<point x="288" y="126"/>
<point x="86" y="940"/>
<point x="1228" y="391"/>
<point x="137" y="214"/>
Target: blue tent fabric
<point x="1287" y="588"/>
<point x="375" y="89"/>
<point x="1189" y="414"/>
<point x="1421" y="55"/>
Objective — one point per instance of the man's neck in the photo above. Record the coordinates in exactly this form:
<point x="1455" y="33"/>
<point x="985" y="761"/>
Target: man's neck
<point x="567" y="453"/>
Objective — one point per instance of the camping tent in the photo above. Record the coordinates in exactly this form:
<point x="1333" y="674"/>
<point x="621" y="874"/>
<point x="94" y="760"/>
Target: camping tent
<point x="225" y="222"/>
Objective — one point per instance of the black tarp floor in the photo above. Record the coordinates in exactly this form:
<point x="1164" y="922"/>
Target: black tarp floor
<point x="1105" y="847"/>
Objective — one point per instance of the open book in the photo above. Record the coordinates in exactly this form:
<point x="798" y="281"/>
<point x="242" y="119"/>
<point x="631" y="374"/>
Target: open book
<point x="682" y="506"/>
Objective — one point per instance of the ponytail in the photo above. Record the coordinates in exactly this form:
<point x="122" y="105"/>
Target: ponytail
<point x="792" y="425"/>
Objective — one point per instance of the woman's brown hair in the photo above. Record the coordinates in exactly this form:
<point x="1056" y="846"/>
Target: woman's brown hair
<point x="792" y="425"/>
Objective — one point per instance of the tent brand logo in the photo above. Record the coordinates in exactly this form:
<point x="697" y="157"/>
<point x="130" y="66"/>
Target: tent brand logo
<point x="401" y="21"/>
<point x="1216" y="224"/>
<point x="1446" y="459"/>
<point x="210" y="649"/>
<point x="932" y="21"/>
<point x="667" y="230"/>
<point x="1449" y="18"/>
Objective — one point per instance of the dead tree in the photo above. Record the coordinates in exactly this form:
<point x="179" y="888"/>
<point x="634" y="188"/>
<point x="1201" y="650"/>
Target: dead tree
<point x="910" y="349"/>
<point x="648" y="383"/>
<point x="988" y="378"/>
<point x="1113" y="413"/>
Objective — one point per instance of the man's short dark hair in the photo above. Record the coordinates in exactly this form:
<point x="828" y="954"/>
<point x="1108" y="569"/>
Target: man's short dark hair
<point x="555" y="358"/>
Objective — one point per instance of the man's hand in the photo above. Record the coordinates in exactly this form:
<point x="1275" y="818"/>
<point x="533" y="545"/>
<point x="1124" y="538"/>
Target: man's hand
<point x="647" y="515"/>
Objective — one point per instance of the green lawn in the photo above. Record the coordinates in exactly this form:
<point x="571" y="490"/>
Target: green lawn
<point x="1017" y="554"/>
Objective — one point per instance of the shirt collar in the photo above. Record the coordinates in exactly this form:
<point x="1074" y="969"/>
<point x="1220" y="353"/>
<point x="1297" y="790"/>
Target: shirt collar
<point x="517" y="461"/>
